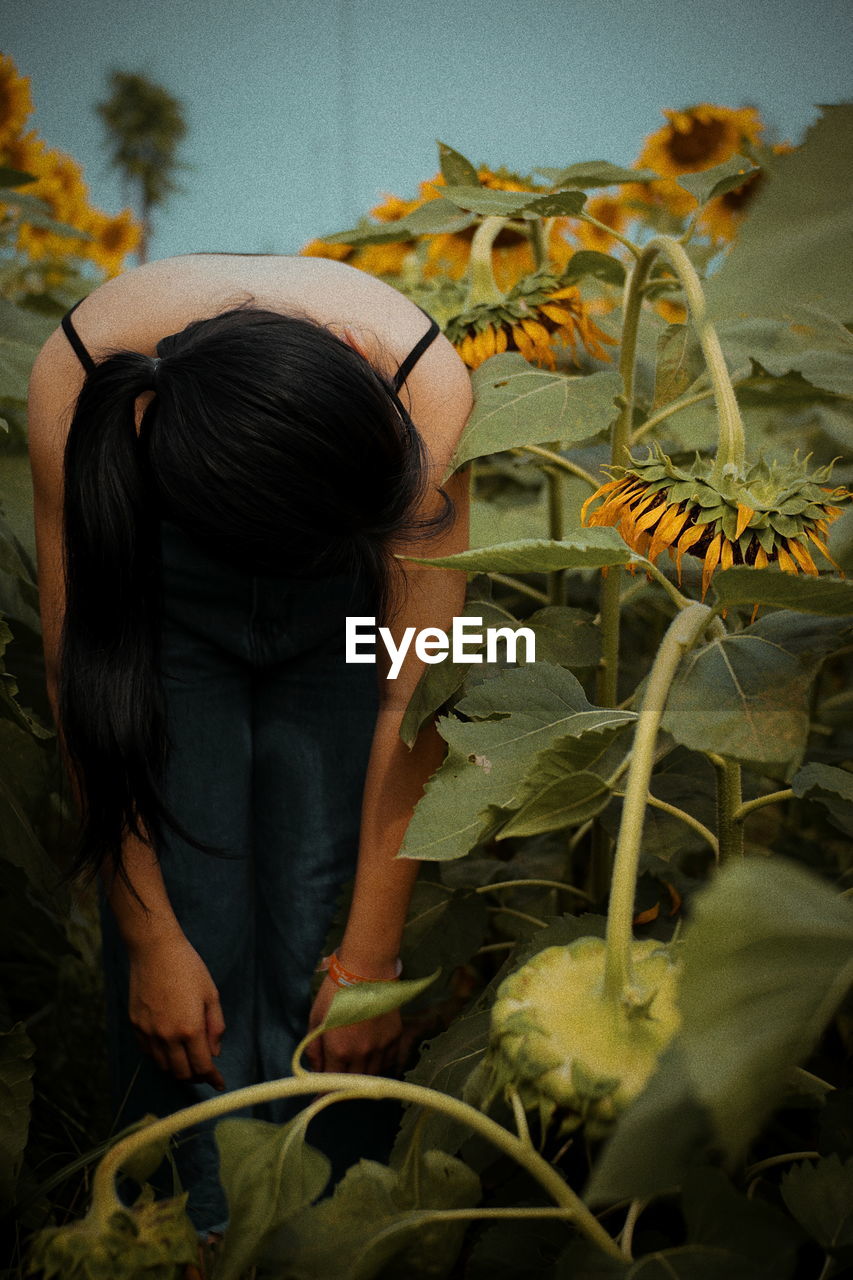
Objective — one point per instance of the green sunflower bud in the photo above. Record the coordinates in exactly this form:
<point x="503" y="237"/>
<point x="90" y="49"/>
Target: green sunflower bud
<point x="565" y="1049"/>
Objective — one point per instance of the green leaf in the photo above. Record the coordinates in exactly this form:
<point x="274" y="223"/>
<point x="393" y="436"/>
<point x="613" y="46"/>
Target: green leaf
<point x="515" y="404"/>
<point x="820" y="1196"/>
<point x="581" y="549"/>
<point x="269" y="1173"/>
<point x="831" y="787"/>
<point x="372" y="999"/>
<point x="679" y="363"/>
<point x="510" y="719"/>
<point x="37" y="213"/>
<point x="517" y="1250"/>
<point x="798" y="235"/>
<point x="560" y="789"/>
<point x="455" y="169"/>
<point x="720" y="1217"/>
<point x="437" y="217"/>
<point x="589" y="262"/>
<point x="16" y="1094"/>
<point x="767" y="958"/>
<point x="596" y="173"/>
<point x="443" y="931"/>
<point x="708" y="183"/>
<point x="808" y="341"/>
<point x="746" y="696"/>
<point x="832" y="597"/>
<point x="565" y="636"/>
<point x="374" y="1220"/>
<point x="558" y="204"/>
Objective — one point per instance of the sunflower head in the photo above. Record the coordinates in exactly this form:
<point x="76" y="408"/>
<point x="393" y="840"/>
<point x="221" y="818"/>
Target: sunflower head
<point x="538" y="315"/>
<point x="16" y="104"/>
<point x="772" y="514"/>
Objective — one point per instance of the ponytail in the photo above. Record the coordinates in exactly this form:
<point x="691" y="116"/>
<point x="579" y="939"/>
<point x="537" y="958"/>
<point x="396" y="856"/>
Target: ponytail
<point x="110" y="698"/>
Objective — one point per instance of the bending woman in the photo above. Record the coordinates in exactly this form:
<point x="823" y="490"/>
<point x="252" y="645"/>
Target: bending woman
<point x="227" y="451"/>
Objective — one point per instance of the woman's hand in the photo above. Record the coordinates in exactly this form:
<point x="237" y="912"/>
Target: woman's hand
<point x="364" y="1047"/>
<point x="174" y="1009"/>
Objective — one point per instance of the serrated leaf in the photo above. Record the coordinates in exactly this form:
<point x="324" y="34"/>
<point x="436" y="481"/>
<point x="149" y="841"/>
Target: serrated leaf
<point x="831" y="787"/>
<point x="709" y="183"/>
<point x="820" y="1196"/>
<point x="560" y="788"/>
<point x="511" y="718"/>
<point x="831" y="597"/>
<point x="581" y="549"/>
<point x="596" y="173"/>
<point x="766" y="959"/>
<point x="745" y="696"/>
<point x="799" y="229"/>
<point x="455" y="169"/>
<point x="515" y="404"/>
<point x="16" y="1094"/>
<point x="806" y="341"/>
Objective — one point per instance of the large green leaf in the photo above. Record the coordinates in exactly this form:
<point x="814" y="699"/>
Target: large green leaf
<point x="831" y="787"/>
<point x="708" y="183"/>
<point x="376" y="1224"/>
<point x="832" y="597"/>
<point x="767" y="958"/>
<point x="269" y="1172"/>
<point x="797" y="241"/>
<point x="443" y="931"/>
<point x="745" y="696"/>
<point x="559" y="204"/>
<point x="511" y="718"/>
<point x="580" y="549"/>
<point x="516" y="404"/>
<point x="806" y="341"/>
<point x="16" y="1094"/>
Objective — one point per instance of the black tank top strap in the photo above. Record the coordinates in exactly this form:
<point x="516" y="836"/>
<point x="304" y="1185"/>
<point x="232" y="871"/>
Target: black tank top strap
<point x="74" y="338"/>
<point x="416" y="352"/>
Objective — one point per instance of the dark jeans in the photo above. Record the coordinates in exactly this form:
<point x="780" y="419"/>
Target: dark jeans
<point x="271" y="731"/>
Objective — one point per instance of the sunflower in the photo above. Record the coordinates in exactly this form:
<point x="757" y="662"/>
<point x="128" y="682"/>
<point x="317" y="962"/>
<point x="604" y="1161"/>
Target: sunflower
<point x="113" y="238"/>
<point x="699" y="137"/>
<point x="769" y="516"/>
<point x="607" y="209"/>
<point x="722" y="216"/>
<point x="537" y="315"/>
<point x="16" y="104"/>
<point x="324" y="249"/>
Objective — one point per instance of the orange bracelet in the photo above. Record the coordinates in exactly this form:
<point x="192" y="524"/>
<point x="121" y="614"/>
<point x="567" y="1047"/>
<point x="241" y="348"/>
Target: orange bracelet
<point x="344" y="977"/>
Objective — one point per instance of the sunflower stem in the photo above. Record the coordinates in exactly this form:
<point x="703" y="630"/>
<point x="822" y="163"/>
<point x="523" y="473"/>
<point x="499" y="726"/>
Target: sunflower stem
<point x="555" y="530"/>
<point x="633" y="249"/>
<point x="482" y="286"/>
<point x="683" y="632"/>
<point x="729" y="804"/>
<point x="539" y="229"/>
<point x="356" y="1086"/>
<point x="557" y="460"/>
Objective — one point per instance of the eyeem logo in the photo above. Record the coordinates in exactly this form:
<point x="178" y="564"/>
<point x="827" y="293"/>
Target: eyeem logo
<point x="433" y="645"/>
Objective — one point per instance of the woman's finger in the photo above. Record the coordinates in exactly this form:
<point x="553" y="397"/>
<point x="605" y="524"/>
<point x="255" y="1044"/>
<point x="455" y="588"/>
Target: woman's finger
<point x="197" y="1050"/>
<point x="176" y="1055"/>
<point x="215" y="1025"/>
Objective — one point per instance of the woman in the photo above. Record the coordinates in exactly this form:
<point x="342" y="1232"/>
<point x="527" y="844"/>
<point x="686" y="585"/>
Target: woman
<point x="227" y="451"/>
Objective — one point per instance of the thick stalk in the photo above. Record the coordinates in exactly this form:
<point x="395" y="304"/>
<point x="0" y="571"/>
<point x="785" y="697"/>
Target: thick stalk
<point x="684" y="630"/>
<point x="482" y="287"/>
<point x="555" y="530"/>
<point x="353" y="1086"/>
<point x="729" y="803"/>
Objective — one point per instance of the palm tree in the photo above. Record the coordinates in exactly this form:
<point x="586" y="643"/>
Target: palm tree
<point x="145" y="125"/>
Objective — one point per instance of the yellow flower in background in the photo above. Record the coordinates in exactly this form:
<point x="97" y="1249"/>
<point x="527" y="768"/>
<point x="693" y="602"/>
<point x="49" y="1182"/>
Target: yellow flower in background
<point x="324" y="249"/>
<point x="113" y="238"/>
<point x="722" y="216"/>
<point x="774" y="514"/>
<point x="382" y="259"/>
<point x="16" y="104"/>
<point x="608" y="209"/>
<point x="537" y="318"/>
<point x="697" y="138"/>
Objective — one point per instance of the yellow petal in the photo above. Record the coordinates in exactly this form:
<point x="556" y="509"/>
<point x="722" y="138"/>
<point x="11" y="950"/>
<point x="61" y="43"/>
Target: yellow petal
<point x="760" y="559"/>
<point x="605" y="488"/>
<point x="500" y="341"/>
<point x="690" y="535"/>
<point x="744" y="515"/>
<point x="712" y="558"/>
<point x="537" y="332"/>
<point x="786" y="563"/>
<point x="802" y="557"/>
<point x="824" y="551"/>
<point x="558" y="314"/>
<point x="671" y="524"/>
<point x="726" y="555"/>
<point x="651" y="516"/>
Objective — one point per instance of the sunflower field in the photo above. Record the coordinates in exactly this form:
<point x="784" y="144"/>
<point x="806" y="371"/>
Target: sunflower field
<point x="628" y="964"/>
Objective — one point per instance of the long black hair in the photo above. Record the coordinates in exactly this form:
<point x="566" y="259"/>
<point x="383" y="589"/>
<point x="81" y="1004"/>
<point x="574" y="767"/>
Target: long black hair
<point x="271" y="442"/>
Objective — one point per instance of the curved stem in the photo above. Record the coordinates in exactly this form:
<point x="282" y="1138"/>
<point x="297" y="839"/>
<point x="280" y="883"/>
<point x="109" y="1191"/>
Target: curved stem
<point x="788" y="1158"/>
<point x="538" y="884"/>
<point x="557" y="460"/>
<point x="670" y="588"/>
<point x="635" y="1209"/>
<point x="363" y="1087"/>
<point x="684" y="630"/>
<point x="749" y="806"/>
<point x="675" y="406"/>
<point x="482" y="287"/>
<point x="519" y="915"/>
<point x="517" y="585"/>
<point x="633" y="249"/>
<point x="729" y="801"/>
<point x="685" y="817"/>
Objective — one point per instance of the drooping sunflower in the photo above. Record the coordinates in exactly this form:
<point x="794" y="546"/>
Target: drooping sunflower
<point x="537" y="317"/>
<point x="16" y="104"/>
<point x="696" y="138"/>
<point x="772" y="514"/>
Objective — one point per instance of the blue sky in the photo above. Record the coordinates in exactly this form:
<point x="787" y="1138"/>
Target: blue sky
<point x="302" y="112"/>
